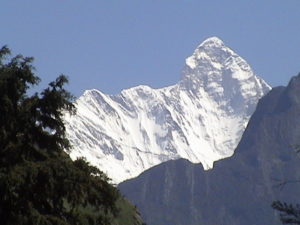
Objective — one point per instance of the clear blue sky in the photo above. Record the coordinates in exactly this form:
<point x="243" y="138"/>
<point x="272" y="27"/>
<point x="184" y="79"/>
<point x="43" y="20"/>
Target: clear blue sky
<point x="112" y="45"/>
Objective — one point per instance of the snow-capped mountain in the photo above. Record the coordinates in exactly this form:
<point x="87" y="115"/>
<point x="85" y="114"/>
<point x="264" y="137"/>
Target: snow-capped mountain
<point x="201" y="118"/>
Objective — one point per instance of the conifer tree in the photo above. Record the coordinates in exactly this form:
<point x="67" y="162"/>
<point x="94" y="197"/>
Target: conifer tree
<point x="39" y="183"/>
<point x="289" y="213"/>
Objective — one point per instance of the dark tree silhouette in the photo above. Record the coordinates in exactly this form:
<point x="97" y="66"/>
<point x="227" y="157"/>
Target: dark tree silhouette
<point x="289" y="213"/>
<point x="39" y="183"/>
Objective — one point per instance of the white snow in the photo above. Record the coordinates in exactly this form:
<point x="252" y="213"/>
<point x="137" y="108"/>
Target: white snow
<point x="201" y="118"/>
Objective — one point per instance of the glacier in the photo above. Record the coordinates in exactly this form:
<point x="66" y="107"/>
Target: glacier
<point x="201" y="118"/>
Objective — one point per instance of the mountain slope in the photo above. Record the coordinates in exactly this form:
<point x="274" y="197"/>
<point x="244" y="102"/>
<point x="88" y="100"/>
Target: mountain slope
<point x="240" y="189"/>
<point x="200" y="119"/>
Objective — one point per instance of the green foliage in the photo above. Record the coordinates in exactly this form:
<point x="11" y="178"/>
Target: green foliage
<point x="289" y="213"/>
<point x="39" y="183"/>
<point x="128" y="214"/>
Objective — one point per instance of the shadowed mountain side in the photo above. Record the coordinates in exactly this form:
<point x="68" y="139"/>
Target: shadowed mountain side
<point x="239" y="190"/>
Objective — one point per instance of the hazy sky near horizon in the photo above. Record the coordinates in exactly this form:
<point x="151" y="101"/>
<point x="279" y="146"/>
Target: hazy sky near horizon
<point x="113" y="45"/>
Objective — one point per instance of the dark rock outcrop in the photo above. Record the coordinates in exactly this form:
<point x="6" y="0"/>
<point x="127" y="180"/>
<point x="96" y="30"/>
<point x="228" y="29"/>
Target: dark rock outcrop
<point x="238" y="190"/>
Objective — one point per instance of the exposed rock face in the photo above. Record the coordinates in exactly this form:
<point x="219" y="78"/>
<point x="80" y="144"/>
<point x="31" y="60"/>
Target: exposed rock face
<point x="200" y="119"/>
<point x="238" y="190"/>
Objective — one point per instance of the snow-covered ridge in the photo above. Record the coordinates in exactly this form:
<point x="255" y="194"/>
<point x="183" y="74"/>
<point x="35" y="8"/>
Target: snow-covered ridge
<point x="201" y="118"/>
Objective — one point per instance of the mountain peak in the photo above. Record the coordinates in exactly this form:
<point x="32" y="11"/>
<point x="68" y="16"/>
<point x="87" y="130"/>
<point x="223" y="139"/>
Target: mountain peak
<point x="225" y="76"/>
<point x="212" y="41"/>
<point x="212" y="51"/>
